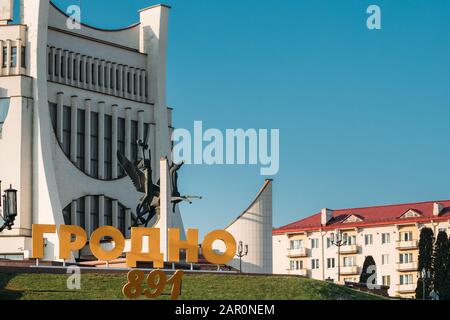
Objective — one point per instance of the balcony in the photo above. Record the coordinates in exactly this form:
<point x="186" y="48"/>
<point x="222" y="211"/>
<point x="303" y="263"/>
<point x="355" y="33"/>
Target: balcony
<point x="349" y="249"/>
<point x="300" y="272"/>
<point x="351" y="270"/>
<point x="406" y="288"/>
<point x="301" y="252"/>
<point x="410" y="266"/>
<point x="407" y="245"/>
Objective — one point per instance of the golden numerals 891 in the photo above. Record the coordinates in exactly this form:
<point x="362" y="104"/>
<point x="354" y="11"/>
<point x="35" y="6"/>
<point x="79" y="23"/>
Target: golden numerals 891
<point x="156" y="283"/>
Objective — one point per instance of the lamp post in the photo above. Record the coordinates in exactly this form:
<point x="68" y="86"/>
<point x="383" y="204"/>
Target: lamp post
<point x="425" y="275"/>
<point x="339" y="241"/>
<point x="242" y="252"/>
<point x="9" y="213"/>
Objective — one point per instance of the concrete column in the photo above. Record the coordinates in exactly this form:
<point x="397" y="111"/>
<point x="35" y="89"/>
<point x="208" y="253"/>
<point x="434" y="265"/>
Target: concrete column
<point x="115" y="213"/>
<point x="165" y="206"/>
<point x="73" y="130"/>
<point x="101" y="211"/>
<point x="126" y="71"/>
<point x="103" y="76"/>
<point x="87" y="136"/>
<point x="101" y="140"/>
<point x="108" y="77"/>
<point x="138" y="84"/>
<point x="72" y="68"/>
<point x="121" y="82"/>
<point x="128" y="223"/>
<point x="66" y="66"/>
<point x="141" y="125"/>
<point x="83" y="73"/>
<point x="77" y="70"/>
<point x="59" y="116"/>
<point x="132" y="83"/>
<point x="114" y="79"/>
<point x="89" y="79"/>
<point x="96" y="84"/>
<point x="87" y="216"/>
<point x="114" y="141"/>
<point x="19" y="56"/>
<point x="58" y="64"/>
<point x="73" y="214"/>
<point x="8" y="57"/>
<point x="128" y="132"/>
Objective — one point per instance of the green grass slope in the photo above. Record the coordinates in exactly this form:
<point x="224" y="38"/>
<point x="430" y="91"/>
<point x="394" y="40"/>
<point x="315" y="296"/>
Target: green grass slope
<point x="194" y="287"/>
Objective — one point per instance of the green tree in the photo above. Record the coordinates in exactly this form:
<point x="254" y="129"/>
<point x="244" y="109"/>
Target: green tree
<point x="366" y="273"/>
<point x="425" y="260"/>
<point x="440" y="265"/>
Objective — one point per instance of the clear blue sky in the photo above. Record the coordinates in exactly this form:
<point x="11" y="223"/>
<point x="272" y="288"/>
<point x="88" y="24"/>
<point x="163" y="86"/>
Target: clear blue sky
<point x="363" y="115"/>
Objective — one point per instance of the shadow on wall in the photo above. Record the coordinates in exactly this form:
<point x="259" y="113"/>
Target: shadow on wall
<point x="6" y="294"/>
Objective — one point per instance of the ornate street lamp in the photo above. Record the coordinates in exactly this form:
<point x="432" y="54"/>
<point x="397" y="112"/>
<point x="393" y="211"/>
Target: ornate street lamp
<point x="9" y="213"/>
<point x="242" y="252"/>
<point x="339" y="241"/>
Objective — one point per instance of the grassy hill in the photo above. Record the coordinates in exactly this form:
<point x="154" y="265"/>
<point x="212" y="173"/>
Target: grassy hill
<point x="194" y="287"/>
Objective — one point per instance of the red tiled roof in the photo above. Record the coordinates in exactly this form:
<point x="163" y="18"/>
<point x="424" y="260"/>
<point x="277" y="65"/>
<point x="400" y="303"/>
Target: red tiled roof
<point x="371" y="216"/>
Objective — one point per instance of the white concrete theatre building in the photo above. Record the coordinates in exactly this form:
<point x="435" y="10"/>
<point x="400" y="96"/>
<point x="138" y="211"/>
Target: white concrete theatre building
<point x="69" y="99"/>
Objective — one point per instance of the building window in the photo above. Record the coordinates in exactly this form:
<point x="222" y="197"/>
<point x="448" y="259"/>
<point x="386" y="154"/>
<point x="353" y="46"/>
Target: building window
<point x="117" y="80"/>
<point x="81" y="73"/>
<point x="331" y="263"/>
<point x="23" y="54"/>
<point x="49" y="62"/>
<point x="53" y="114"/>
<point x="5" y="57"/>
<point x="329" y="244"/>
<point x="406" y="279"/>
<point x="146" y="86"/>
<point x="120" y="141"/>
<point x="99" y="76"/>
<point x="81" y="213"/>
<point x="406" y="236"/>
<point x="135" y="84"/>
<point x="385" y="259"/>
<point x="121" y="219"/>
<point x="296" y="244"/>
<point x="67" y="128"/>
<point x="349" y="261"/>
<point x="108" y="147"/>
<point x="128" y="83"/>
<point x="56" y="64"/>
<point x="93" y="74"/>
<point x="63" y="64"/>
<point x="94" y="212"/>
<point x="351" y="240"/>
<point x="75" y="69"/>
<point x="94" y="144"/>
<point x="314" y="243"/>
<point x="368" y="239"/>
<point x="134" y="146"/>
<point x="385" y="238"/>
<point x="406" y="258"/>
<point x="296" y="265"/>
<point x="13" y="57"/>
<point x="80" y="138"/>
<point x="108" y="212"/>
<point x="386" y="280"/>
<point x="314" y="264"/>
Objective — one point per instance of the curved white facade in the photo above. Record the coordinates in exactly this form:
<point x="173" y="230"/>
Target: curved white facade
<point x="76" y="96"/>
<point x="254" y="228"/>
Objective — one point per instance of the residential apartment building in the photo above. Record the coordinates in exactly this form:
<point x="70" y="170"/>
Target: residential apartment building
<point x="389" y="234"/>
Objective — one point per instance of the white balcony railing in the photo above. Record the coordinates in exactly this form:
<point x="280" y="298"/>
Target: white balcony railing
<point x="300" y="252"/>
<point x="350" y="270"/>
<point x="406" y="245"/>
<point x="349" y="249"/>
<point x="410" y="266"/>
<point x="405" y="288"/>
<point x="299" y="272"/>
